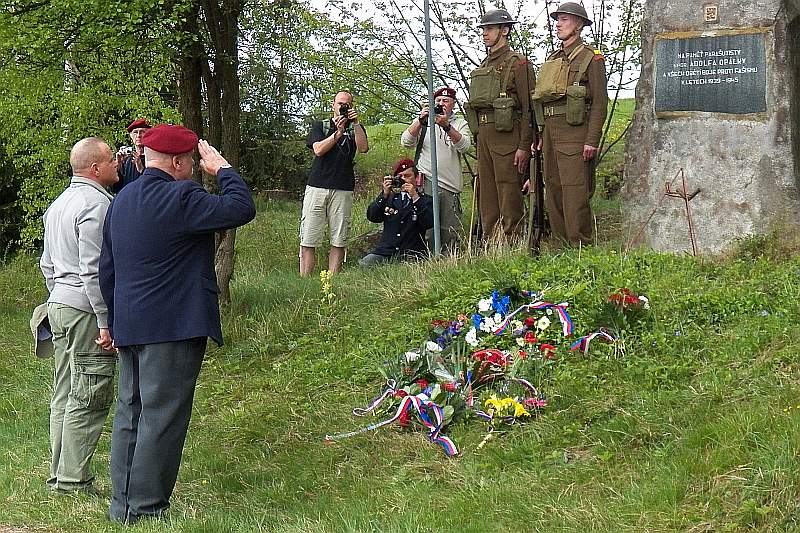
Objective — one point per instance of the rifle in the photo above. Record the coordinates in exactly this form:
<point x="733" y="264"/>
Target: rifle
<point x="536" y="222"/>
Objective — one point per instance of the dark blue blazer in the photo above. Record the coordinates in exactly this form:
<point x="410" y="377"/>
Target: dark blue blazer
<point x="404" y="224"/>
<point x="157" y="260"/>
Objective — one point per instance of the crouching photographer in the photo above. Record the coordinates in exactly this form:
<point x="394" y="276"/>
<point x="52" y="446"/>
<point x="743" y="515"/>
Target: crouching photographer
<point x="406" y="215"/>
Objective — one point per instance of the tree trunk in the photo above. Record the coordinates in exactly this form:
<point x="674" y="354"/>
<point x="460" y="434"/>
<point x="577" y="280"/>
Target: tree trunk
<point x="190" y="103"/>
<point x="223" y="83"/>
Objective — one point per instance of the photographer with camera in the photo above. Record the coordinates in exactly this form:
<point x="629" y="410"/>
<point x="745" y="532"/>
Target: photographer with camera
<point x="130" y="160"/>
<point x="452" y="139"/>
<point x="406" y="216"/>
<point x="328" y="198"/>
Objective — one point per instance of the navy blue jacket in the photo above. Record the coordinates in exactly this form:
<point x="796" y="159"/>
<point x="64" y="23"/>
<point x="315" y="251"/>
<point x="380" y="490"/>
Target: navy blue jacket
<point x="157" y="260"/>
<point x="404" y="224"/>
<point x="127" y="172"/>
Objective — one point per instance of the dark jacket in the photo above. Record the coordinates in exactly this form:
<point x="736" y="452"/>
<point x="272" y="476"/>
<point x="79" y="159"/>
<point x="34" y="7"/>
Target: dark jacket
<point x="127" y="172"/>
<point x="157" y="261"/>
<point x="404" y="224"/>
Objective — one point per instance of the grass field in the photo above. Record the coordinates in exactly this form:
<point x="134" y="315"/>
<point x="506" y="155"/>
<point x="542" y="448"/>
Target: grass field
<point x="693" y="424"/>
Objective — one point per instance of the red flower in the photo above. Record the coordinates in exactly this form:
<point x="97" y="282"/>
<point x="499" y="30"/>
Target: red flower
<point x="530" y="338"/>
<point x="450" y="387"/>
<point x="548" y="350"/>
<point x="440" y="323"/>
<point x="423" y="384"/>
<point x="400" y="393"/>
<point x="530" y="322"/>
<point x="523" y="354"/>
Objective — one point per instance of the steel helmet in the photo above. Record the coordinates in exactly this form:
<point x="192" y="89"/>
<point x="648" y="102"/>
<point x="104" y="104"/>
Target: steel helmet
<point x="572" y="8"/>
<point x="496" y="17"/>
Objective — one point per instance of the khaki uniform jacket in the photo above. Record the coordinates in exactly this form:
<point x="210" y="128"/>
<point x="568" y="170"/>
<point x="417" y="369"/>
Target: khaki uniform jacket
<point x="520" y="84"/>
<point x="597" y="94"/>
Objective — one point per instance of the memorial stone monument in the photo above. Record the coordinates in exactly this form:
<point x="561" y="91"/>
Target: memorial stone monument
<point x="719" y="98"/>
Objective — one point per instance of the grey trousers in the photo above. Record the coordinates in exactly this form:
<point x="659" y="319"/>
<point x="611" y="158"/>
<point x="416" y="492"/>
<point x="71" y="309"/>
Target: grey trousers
<point x="83" y="388"/>
<point x="154" y="404"/>
<point x="451" y="227"/>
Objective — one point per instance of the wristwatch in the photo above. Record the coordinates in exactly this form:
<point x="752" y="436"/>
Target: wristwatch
<point x="447" y="128"/>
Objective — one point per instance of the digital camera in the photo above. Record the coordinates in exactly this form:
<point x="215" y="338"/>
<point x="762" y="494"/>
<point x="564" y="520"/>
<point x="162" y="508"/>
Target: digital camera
<point x="397" y="182"/>
<point x="438" y="109"/>
<point x="126" y="151"/>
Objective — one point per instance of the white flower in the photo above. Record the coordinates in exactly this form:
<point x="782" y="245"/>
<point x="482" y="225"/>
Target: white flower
<point x="472" y="337"/>
<point x="543" y="323"/>
<point x="433" y="346"/>
<point x="484" y="305"/>
<point x="498" y="319"/>
<point x="412" y="356"/>
<point x="487" y="324"/>
<point x="645" y="302"/>
<point x="520" y="341"/>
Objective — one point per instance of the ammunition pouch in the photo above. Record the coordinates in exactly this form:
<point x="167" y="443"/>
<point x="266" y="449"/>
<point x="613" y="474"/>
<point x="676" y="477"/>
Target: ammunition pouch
<point x="504" y="111"/>
<point x="576" y="105"/>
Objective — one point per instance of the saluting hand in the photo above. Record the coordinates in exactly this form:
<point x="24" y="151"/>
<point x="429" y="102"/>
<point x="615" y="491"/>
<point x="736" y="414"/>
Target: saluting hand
<point x="210" y="158"/>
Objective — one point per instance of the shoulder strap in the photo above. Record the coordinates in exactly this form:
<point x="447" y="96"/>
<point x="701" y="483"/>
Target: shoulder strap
<point x="507" y="72"/>
<point x="584" y="65"/>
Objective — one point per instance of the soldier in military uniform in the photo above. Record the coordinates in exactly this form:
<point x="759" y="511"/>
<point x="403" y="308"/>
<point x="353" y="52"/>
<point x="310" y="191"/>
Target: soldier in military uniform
<point x="499" y="111"/>
<point x="571" y="101"/>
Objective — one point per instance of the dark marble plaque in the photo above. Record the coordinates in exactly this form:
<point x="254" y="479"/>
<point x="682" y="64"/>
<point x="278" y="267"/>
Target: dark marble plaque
<point x="718" y="74"/>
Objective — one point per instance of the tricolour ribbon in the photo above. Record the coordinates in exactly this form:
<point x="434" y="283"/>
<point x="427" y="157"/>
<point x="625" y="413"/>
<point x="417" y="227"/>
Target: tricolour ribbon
<point x="430" y="414"/>
<point x="561" y="310"/>
<point x="583" y="342"/>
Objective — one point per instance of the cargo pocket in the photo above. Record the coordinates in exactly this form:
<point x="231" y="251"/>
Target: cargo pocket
<point x="571" y="166"/>
<point x="94" y="380"/>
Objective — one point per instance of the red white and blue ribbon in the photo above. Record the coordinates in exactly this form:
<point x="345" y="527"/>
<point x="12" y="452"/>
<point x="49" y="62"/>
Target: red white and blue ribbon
<point x="430" y="414"/>
<point x="561" y="309"/>
<point x="583" y="342"/>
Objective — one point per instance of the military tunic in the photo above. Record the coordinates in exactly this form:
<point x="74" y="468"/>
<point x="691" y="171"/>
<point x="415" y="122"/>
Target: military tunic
<point x="569" y="180"/>
<point x="499" y="190"/>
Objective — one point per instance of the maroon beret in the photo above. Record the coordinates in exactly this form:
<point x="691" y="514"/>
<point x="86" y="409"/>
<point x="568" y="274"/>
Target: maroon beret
<point x="445" y="91"/>
<point x="402" y="165"/>
<point x="138" y="123"/>
<point x="170" y="139"/>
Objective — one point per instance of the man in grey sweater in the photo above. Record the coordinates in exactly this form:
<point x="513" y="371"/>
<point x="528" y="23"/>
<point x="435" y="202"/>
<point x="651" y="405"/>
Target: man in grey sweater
<point x="83" y="380"/>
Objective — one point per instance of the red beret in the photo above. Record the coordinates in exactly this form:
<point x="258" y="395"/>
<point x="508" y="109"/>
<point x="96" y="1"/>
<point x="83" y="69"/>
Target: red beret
<point x="170" y="139"/>
<point x="138" y="123"/>
<point x="402" y="165"/>
<point x="445" y="91"/>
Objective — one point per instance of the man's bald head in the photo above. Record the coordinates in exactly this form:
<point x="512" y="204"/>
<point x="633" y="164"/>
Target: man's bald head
<point x="87" y="151"/>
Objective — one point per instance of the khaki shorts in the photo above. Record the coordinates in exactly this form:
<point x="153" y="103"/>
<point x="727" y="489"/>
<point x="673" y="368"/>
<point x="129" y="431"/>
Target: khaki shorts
<point x="322" y="207"/>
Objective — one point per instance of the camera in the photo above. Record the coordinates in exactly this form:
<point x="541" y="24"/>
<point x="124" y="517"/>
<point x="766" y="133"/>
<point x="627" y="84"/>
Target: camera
<point x="439" y="109"/>
<point x="125" y="151"/>
<point x="397" y="182"/>
<point x="344" y="109"/>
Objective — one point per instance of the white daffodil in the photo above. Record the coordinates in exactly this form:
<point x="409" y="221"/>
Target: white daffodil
<point x="485" y="305"/>
<point x="412" y="356"/>
<point x="472" y="337"/>
<point x="543" y="323"/>
<point x="433" y="346"/>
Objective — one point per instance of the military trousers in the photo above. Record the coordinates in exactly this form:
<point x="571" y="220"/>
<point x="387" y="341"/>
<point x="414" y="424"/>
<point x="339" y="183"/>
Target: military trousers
<point x="569" y="181"/>
<point x="499" y="188"/>
<point x="451" y="227"/>
<point x="83" y="388"/>
<point x="154" y="404"/>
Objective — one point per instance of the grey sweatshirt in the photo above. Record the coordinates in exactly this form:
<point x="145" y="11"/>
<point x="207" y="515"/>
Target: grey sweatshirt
<point x="73" y="234"/>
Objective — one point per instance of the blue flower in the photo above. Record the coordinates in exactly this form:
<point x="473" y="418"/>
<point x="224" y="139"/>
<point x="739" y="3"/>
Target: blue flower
<point x="476" y="320"/>
<point x="500" y="304"/>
